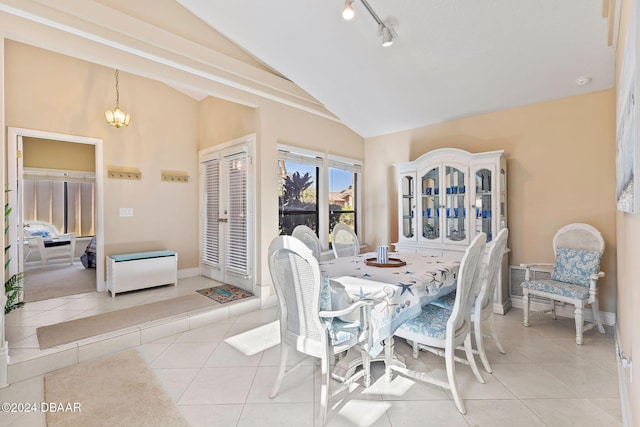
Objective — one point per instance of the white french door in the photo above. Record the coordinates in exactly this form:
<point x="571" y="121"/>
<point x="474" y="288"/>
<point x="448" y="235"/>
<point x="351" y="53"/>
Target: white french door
<point x="226" y="217"/>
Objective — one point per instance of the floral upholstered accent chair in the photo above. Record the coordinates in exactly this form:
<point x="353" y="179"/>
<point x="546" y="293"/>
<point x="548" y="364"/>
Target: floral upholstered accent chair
<point x="578" y="250"/>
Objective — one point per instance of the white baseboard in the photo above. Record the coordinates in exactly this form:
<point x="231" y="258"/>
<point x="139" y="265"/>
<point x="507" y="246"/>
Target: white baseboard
<point x="188" y="272"/>
<point x="4" y="364"/>
<point x="502" y="308"/>
<point x="624" y="381"/>
<point x="607" y="318"/>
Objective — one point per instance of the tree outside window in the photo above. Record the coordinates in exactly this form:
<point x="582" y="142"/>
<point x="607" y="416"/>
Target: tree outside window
<point x="298" y="196"/>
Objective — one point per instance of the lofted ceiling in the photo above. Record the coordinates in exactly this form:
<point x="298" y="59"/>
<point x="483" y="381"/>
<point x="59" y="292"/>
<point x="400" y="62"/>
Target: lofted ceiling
<point x="451" y="59"/>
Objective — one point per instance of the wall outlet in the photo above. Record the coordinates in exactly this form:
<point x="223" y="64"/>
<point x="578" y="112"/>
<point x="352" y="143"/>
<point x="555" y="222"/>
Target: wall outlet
<point x="126" y="211"/>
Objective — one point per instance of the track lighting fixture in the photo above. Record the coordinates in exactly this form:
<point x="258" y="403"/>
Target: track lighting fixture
<point x="387" y="35"/>
<point x="384" y="30"/>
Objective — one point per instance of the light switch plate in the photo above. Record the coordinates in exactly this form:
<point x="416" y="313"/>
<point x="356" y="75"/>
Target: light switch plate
<point x="126" y="211"/>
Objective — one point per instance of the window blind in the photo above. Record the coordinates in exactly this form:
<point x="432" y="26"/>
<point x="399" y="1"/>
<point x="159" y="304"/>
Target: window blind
<point x="237" y="231"/>
<point x="210" y="253"/>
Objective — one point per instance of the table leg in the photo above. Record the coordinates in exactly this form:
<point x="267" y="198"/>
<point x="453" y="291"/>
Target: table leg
<point x="388" y="356"/>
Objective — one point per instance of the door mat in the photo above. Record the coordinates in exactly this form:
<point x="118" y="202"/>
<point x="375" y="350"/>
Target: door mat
<point x="225" y="293"/>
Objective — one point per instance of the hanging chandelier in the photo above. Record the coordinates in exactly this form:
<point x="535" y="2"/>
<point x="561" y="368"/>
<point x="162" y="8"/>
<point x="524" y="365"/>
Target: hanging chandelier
<point x="117" y="117"/>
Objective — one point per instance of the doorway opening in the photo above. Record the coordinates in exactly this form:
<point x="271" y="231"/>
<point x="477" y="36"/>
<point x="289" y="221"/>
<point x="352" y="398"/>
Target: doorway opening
<point x="56" y="212"/>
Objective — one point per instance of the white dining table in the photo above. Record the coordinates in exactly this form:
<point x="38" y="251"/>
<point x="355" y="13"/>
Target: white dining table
<point x="399" y="291"/>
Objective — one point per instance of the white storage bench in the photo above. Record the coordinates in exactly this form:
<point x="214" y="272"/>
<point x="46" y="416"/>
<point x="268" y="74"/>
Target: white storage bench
<point x="140" y="270"/>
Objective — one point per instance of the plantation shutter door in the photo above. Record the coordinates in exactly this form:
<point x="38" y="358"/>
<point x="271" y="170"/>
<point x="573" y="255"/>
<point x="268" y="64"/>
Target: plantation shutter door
<point x="211" y="235"/>
<point x="237" y="232"/>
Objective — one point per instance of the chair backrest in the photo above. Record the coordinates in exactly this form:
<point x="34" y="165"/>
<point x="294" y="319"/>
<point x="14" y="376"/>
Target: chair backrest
<point x="578" y="236"/>
<point x="344" y="241"/>
<point x="309" y="238"/>
<point x="296" y="276"/>
<point x="491" y="263"/>
<point x="466" y="287"/>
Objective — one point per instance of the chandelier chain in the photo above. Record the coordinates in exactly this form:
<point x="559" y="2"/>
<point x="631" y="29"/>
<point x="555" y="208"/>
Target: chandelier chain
<point x="117" y="90"/>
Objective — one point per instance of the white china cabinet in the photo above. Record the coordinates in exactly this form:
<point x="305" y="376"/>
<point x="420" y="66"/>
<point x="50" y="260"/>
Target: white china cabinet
<point x="445" y="198"/>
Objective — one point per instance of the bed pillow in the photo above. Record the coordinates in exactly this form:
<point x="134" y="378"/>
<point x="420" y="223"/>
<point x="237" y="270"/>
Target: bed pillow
<point x="32" y="232"/>
<point x="576" y="266"/>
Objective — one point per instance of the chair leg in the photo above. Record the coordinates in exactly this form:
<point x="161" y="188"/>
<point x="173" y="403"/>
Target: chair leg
<point x="553" y="309"/>
<point x="525" y="307"/>
<point x="324" y="390"/>
<point x="366" y="367"/>
<point x="579" y="325"/>
<point x="596" y="316"/>
<point x="477" y="331"/>
<point x="388" y="358"/>
<point x="451" y="376"/>
<point x="281" y="371"/>
<point x="468" y="349"/>
<point x="494" y="334"/>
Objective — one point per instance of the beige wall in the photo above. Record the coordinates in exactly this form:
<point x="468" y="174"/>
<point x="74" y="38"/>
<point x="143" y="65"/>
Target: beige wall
<point x="561" y="169"/>
<point x="628" y="232"/>
<point x="221" y="121"/>
<point x="55" y="93"/>
<point x="51" y="154"/>
<point x="280" y="124"/>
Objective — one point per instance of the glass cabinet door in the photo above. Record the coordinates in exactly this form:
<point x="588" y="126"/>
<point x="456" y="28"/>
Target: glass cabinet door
<point x="430" y="192"/>
<point x="408" y="205"/>
<point x="455" y="210"/>
<point x="483" y="203"/>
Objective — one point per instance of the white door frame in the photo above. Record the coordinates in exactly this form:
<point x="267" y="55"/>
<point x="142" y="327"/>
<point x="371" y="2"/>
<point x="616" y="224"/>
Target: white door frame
<point x="14" y="173"/>
<point x="221" y="150"/>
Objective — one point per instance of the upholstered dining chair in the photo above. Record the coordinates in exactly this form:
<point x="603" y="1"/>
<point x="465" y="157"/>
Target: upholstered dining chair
<point x="578" y="250"/>
<point x="309" y="238"/>
<point x="344" y="241"/>
<point x="482" y="309"/>
<point x="437" y="329"/>
<point x="306" y="321"/>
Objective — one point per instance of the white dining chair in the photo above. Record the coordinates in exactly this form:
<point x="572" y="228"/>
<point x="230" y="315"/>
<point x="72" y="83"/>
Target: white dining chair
<point x="309" y="238"/>
<point x="344" y="241"/>
<point x="437" y="329"/>
<point x="482" y="309"/>
<point x="307" y="322"/>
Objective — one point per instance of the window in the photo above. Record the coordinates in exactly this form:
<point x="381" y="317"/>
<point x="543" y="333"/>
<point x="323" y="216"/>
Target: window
<point x="317" y="191"/>
<point x="298" y="191"/>
<point x="64" y="199"/>
<point x="343" y="186"/>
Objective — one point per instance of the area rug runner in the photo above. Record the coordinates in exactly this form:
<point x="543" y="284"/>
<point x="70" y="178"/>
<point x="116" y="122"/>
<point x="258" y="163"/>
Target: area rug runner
<point x="74" y="330"/>
<point x="115" y="390"/>
<point x="225" y="293"/>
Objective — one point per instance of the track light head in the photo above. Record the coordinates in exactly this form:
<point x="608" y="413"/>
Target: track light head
<point x="387" y="35"/>
<point x="347" y="12"/>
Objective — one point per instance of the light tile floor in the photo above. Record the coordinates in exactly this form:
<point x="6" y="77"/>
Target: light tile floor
<point x="545" y="379"/>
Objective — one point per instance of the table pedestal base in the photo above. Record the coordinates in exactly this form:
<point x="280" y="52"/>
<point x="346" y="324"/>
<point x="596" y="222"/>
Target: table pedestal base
<point x="348" y="365"/>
